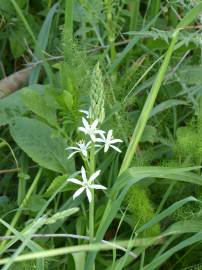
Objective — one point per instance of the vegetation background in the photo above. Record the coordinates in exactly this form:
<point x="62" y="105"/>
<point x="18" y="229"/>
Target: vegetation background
<point x="150" y="86"/>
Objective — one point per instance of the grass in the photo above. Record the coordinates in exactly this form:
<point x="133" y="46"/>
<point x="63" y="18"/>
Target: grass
<point x="135" y="66"/>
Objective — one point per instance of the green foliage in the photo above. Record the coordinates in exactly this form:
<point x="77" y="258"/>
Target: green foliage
<point x="40" y="105"/>
<point x="142" y="210"/>
<point x="41" y="143"/>
<point x="31" y="265"/>
<point x="64" y="41"/>
<point x="189" y="143"/>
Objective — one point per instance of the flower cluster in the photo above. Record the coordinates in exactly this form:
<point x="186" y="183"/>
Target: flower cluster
<point x="93" y="132"/>
<point x="98" y="138"/>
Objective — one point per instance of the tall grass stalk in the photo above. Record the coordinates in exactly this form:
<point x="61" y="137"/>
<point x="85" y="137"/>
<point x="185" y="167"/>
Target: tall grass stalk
<point x="68" y="27"/>
<point x="134" y="14"/>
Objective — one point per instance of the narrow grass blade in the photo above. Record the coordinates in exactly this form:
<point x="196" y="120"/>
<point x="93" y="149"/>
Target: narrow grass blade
<point x="161" y="259"/>
<point x="42" y="42"/>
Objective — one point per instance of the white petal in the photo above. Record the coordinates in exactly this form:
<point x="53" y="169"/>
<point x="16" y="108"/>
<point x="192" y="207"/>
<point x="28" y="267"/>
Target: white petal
<point x="109" y="134"/>
<point x="100" y="140"/>
<point x="94" y="124"/>
<point x="71" y="155"/>
<point x="87" y="145"/>
<point x="78" y="192"/>
<point x="85" y="112"/>
<point x="75" y="181"/>
<point x="94" y="176"/>
<point x="84" y="152"/>
<point x="89" y="195"/>
<point x="98" y="187"/>
<point x="101" y="133"/>
<point x="72" y="148"/>
<point x="83" y="174"/>
<point x="98" y="145"/>
<point x="116" y="141"/>
<point x="116" y="148"/>
<point x="82" y="129"/>
<point x="85" y="123"/>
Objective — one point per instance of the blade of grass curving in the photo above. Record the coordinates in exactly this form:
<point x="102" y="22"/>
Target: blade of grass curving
<point x="167" y="212"/>
<point x="79" y="248"/>
<point x="42" y="42"/>
<point x="161" y="259"/>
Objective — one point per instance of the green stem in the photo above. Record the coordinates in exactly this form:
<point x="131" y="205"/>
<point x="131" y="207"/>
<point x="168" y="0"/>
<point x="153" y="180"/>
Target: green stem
<point x="92" y="203"/>
<point x="23" y="204"/>
<point x="91" y="206"/>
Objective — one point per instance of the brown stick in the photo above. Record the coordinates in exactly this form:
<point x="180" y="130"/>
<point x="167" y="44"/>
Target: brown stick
<point x="13" y="82"/>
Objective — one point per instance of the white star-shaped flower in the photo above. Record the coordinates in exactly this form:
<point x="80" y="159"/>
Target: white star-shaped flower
<point x="91" y="129"/>
<point x="86" y="184"/>
<point x="109" y="141"/>
<point x="82" y="148"/>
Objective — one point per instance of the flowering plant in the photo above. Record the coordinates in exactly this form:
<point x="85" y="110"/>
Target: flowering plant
<point x="95" y="136"/>
<point x="86" y="148"/>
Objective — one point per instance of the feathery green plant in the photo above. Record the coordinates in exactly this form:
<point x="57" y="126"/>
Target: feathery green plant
<point x="141" y="209"/>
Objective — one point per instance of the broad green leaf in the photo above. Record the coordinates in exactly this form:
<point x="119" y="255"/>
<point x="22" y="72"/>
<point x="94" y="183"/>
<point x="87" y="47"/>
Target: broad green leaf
<point x="10" y="107"/>
<point x="36" y="139"/>
<point x="38" y="104"/>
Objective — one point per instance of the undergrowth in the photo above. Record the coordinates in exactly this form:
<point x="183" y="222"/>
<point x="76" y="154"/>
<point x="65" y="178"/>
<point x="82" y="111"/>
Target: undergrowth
<point x="94" y="71"/>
